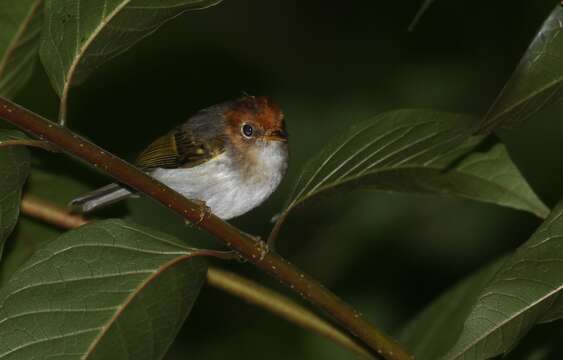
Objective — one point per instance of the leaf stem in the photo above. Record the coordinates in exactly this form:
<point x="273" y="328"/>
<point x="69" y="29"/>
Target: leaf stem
<point x="244" y="244"/>
<point x="277" y="228"/>
<point x="29" y="142"/>
<point x="63" y="109"/>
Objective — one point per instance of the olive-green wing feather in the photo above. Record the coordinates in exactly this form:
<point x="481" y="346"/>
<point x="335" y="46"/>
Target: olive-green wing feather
<point x="179" y="148"/>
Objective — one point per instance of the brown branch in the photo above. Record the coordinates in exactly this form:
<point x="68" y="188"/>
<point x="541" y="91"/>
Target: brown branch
<point x="244" y="244"/>
<point x="221" y="279"/>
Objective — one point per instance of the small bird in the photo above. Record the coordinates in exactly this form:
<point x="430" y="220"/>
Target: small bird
<point x="231" y="156"/>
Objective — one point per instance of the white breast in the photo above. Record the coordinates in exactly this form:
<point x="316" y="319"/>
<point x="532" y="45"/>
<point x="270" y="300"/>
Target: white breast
<point x="223" y="187"/>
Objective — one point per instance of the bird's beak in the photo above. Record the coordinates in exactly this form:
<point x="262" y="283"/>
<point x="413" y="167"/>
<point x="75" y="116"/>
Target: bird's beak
<point x="276" y="135"/>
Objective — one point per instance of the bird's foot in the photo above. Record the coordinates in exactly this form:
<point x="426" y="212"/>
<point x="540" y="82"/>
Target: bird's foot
<point x="204" y="212"/>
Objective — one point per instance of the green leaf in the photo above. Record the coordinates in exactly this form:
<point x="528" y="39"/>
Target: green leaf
<point x="525" y="291"/>
<point x="14" y="168"/>
<point x="537" y="80"/>
<point x="80" y="35"/>
<point x="108" y="290"/>
<point x="492" y="177"/>
<point x="20" y="21"/>
<point x="435" y="330"/>
<point x="417" y="151"/>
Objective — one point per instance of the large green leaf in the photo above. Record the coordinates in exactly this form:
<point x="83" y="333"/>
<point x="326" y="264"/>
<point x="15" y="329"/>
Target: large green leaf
<point x="109" y="290"/>
<point x="20" y="24"/>
<point x="80" y="35"/>
<point x="525" y="291"/>
<point x="418" y="151"/>
<point x="435" y="330"/>
<point x="14" y="168"/>
<point x="537" y="80"/>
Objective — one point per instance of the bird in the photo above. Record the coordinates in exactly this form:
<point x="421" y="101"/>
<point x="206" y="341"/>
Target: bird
<point x="231" y="156"/>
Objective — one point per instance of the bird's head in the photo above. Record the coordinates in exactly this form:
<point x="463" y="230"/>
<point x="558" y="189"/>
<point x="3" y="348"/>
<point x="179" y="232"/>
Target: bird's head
<point x="252" y="120"/>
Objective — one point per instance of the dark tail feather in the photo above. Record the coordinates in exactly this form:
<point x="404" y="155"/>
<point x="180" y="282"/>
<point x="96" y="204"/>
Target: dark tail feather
<point x="98" y="198"/>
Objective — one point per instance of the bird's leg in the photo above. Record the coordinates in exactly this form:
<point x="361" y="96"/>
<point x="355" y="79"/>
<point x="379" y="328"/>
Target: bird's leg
<point x="204" y="211"/>
<point x="261" y="246"/>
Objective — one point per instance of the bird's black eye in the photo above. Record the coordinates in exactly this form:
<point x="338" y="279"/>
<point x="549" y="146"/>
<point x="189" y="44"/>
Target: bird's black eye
<point x="247" y="130"/>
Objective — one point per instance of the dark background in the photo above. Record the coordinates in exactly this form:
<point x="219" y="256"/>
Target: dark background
<point x="329" y="65"/>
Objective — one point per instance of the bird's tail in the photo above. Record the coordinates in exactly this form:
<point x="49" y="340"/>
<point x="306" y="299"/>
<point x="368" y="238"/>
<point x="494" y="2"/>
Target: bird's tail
<point x="106" y="195"/>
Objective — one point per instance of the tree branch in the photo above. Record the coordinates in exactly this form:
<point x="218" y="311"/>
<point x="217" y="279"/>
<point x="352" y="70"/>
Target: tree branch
<point x="245" y="245"/>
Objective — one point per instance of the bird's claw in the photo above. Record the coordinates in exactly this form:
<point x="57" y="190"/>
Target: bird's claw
<point x="204" y="212"/>
<point x="262" y="247"/>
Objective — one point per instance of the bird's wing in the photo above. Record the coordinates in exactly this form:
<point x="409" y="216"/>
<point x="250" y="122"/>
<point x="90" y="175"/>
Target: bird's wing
<point x="179" y="148"/>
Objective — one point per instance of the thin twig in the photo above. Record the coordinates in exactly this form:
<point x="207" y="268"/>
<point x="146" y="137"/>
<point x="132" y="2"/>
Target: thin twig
<point x="224" y="280"/>
<point x="282" y="306"/>
<point x="50" y="213"/>
<point x="247" y="246"/>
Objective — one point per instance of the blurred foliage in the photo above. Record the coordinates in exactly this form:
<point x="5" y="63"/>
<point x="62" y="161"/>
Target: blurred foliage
<point x="330" y="67"/>
<point x="448" y="315"/>
<point x="536" y="82"/>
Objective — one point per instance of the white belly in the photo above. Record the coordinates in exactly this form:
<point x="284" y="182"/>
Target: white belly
<point x="222" y="187"/>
